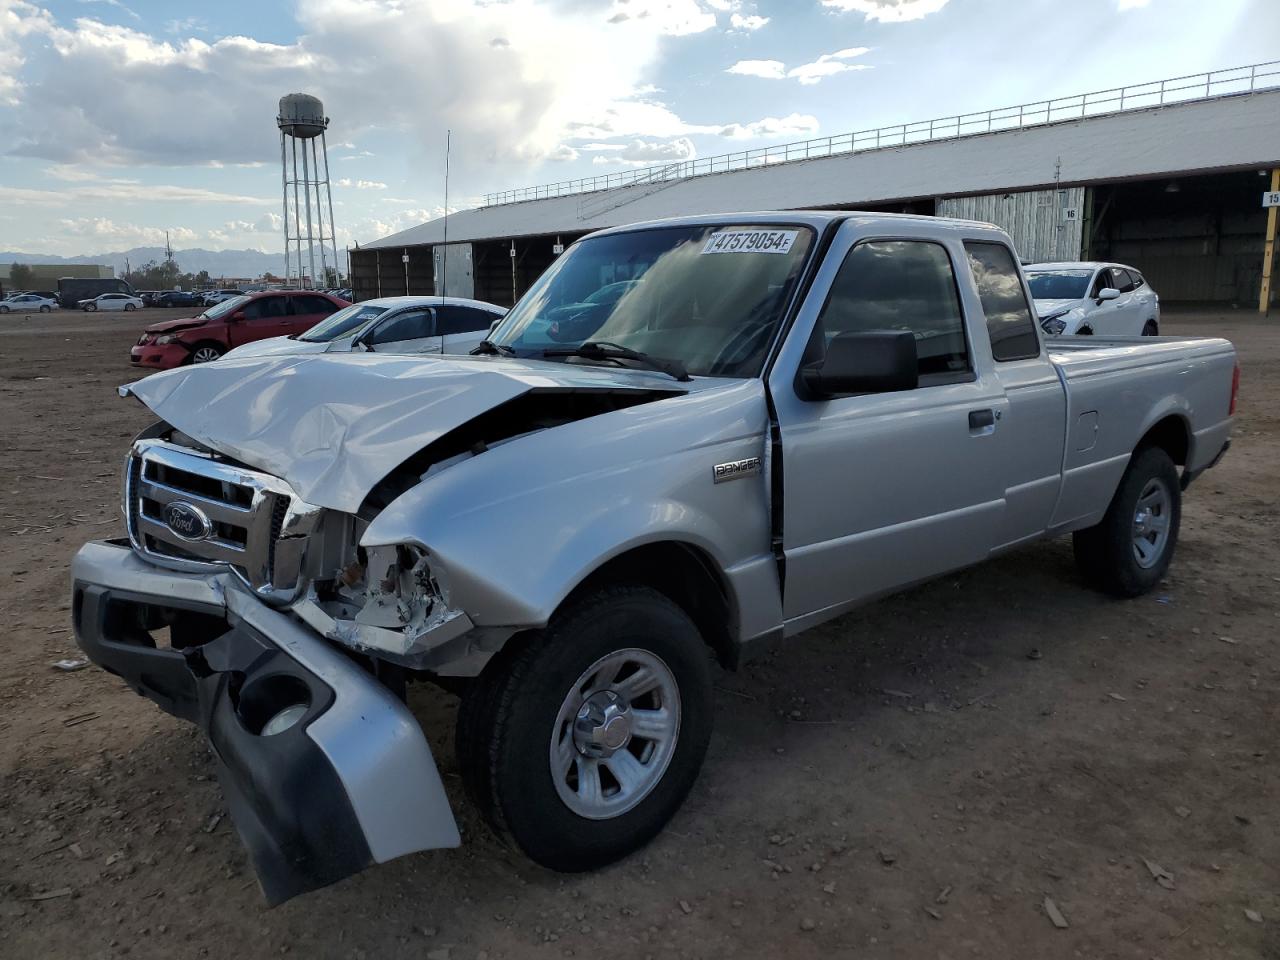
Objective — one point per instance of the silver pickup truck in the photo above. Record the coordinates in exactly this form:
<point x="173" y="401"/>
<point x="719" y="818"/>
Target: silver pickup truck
<point x="689" y="440"/>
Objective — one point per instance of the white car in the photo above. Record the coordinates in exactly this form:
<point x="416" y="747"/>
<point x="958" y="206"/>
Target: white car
<point x="28" y="303"/>
<point x="389" y="325"/>
<point x="1106" y="299"/>
<point x="111" y="301"/>
<point x="212" y="297"/>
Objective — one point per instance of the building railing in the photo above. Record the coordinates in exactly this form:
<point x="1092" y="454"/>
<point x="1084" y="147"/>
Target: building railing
<point x="1196" y="86"/>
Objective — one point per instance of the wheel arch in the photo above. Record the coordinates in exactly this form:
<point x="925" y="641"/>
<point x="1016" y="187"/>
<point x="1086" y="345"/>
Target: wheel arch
<point x="1172" y="434"/>
<point x="684" y="573"/>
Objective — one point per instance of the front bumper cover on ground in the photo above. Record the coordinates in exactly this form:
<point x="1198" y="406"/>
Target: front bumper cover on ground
<point x="351" y="784"/>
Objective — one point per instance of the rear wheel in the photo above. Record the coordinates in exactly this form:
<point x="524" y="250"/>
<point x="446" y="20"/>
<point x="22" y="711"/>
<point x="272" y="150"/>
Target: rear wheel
<point x="3" y="308"/>
<point x="206" y="353"/>
<point x="1130" y="550"/>
<point x="582" y="741"/>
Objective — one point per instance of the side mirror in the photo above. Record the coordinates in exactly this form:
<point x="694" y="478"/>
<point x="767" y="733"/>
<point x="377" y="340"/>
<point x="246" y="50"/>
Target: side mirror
<point x="238" y="316"/>
<point x="1108" y="293"/>
<point x="878" y="361"/>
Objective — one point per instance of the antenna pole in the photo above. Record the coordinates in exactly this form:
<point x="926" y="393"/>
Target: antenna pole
<point x="444" y="265"/>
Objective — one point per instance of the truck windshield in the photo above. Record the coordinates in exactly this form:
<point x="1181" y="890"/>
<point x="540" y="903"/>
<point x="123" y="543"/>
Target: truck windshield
<point x="345" y="321"/>
<point x="710" y="297"/>
<point x="1059" y="284"/>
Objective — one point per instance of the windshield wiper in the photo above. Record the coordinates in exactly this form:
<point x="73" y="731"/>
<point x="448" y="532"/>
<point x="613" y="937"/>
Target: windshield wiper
<point x="488" y="346"/>
<point x="603" y="350"/>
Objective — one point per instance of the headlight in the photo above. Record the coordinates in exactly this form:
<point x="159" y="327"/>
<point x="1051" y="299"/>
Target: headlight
<point x="1054" y="325"/>
<point x="167" y="338"/>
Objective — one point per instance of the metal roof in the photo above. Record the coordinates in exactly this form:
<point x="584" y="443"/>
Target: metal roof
<point x="1238" y="131"/>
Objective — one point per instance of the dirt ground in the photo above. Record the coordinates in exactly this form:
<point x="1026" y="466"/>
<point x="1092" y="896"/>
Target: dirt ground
<point x="912" y="780"/>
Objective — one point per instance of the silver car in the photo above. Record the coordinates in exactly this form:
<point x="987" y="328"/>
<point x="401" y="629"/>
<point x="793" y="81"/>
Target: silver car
<point x="389" y="325"/>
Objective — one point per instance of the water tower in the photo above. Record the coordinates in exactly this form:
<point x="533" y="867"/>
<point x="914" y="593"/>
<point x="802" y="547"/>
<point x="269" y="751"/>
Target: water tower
<point x="302" y="123"/>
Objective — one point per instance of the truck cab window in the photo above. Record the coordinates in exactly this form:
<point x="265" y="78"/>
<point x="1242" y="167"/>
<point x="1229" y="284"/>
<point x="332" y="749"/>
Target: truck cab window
<point x="901" y="285"/>
<point x="1010" y="322"/>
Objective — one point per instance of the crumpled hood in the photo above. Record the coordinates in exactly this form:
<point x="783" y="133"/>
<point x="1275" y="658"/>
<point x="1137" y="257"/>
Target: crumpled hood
<point x="1046" y="307"/>
<point x="334" y="425"/>
<point x="165" y="326"/>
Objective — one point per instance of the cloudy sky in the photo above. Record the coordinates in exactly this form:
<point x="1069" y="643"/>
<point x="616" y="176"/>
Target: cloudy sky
<point x="120" y="119"/>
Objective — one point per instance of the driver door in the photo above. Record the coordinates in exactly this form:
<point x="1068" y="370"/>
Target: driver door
<point x="410" y="331"/>
<point x="882" y="490"/>
<point x="263" y="317"/>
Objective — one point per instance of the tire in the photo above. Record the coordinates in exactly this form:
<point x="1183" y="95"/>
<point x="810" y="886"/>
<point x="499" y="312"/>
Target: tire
<point x="205" y="352"/>
<point x="128" y="307"/>
<point x="1109" y="554"/>
<point x="44" y="308"/>
<point x="522" y="710"/>
<point x="1085" y="332"/>
<point x="90" y="307"/>
<point x="3" y="308"/>
<point x="1150" y="329"/>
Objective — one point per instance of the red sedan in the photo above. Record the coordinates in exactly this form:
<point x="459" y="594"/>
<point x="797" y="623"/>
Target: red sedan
<point x="254" y="316"/>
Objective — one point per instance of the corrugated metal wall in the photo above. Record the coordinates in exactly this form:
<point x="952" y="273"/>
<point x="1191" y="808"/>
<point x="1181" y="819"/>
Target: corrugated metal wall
<point x="1039" y="221"/>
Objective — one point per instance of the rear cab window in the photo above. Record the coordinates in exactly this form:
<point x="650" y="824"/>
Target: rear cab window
<point x="1010" y="322"/>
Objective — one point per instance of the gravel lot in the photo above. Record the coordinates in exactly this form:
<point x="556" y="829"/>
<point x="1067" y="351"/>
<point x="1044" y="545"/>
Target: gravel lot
<point x="912" y="780"/>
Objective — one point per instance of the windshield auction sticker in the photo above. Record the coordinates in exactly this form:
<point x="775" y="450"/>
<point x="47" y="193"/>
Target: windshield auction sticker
<point x="750" y="241"/>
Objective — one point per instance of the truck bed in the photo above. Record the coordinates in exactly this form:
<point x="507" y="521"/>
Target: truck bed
<point x="1118" y="389"/>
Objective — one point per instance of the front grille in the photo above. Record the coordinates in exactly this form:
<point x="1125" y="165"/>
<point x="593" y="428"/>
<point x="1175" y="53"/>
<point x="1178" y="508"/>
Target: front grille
<point x="241" y="515"/>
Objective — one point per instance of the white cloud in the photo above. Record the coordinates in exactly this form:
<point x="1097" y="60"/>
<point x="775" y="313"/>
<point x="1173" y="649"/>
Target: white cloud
<point x="827" y="65"/>
<point x="792" y="126"/>
<point x="752" y="22"/>
<point x="563" y="153"/>
<point x="108" y="232"/>
<point x="125" y="191"/>
<point x="20" y="24"/>
<point x="117" y="4"/>
<point x="644" y="153"/>
<point x="1131" y="4"/>
<point x="768" y="69"/>
<point x="360" y="184"/>
<point x="888" y="11"/>
<point x="675" y="18"/>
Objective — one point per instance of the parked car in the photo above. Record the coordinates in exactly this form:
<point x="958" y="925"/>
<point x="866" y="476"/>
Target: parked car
<point x="1107" y="299"/>
<point x="73" y="291"/>
<point x="111" y="301"/>
<point x="148" y="296"/>
<point x="210" y="297"/>
<point x="177" y="298"/>
<point x="392" y="325"/>
<point x="228" y="324"/>
<point x="787" y="415"/>
<point x="29" y="303"/>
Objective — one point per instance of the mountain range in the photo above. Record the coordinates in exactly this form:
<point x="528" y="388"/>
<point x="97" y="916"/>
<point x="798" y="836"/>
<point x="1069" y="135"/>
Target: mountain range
<point x="219" y="263"/>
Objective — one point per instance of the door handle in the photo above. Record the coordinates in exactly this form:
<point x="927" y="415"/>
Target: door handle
<point x="981" y="419"/>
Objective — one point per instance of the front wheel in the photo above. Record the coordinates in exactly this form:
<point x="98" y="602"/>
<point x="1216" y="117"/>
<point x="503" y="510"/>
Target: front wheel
<point x="1150" y="329"/>
<point x="206" y="353"/>
<point x="1130" y="550"/>
<point x="128" y="307"/>
<point x="581" y="741"/>
<point x="89" y="307"/>
<point x="44" y="308"/>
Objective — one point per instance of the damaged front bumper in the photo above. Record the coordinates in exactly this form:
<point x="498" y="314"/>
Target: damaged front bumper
<point x="349" y="784"/>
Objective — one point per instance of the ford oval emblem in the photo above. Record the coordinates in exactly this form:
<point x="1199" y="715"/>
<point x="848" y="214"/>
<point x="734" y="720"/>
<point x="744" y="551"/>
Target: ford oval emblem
<point x="186" y="521"/>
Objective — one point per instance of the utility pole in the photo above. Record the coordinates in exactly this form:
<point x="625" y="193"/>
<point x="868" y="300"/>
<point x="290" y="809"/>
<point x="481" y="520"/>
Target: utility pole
<point x="1269" y="249"/>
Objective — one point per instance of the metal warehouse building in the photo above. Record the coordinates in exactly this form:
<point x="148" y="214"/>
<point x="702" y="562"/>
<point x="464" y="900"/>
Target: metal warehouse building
<point x="1168" y="176"/>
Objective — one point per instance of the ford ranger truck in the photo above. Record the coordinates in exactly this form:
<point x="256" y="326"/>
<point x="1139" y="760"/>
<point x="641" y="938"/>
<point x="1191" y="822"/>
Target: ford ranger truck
<point x="780" y="416"/>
